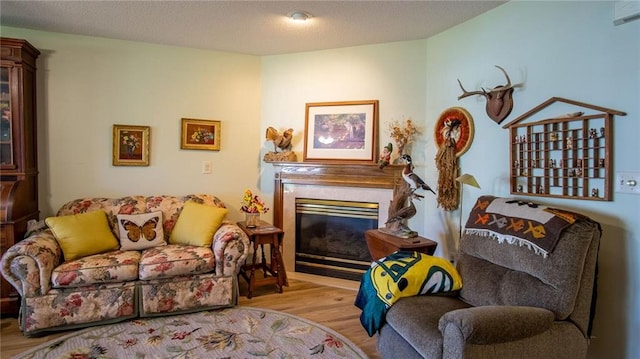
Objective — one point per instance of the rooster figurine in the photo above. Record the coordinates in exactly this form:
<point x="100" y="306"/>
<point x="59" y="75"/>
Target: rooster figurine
<point x="282" y="141"/>
<point x="411" y="178"/>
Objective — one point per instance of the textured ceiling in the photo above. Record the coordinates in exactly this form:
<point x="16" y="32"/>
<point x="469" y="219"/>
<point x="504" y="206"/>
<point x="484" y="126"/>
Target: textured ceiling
<point x="247" y="27"/>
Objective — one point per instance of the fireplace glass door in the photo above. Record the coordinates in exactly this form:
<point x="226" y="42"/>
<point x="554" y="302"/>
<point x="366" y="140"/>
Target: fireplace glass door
<point x="330" y="237"/>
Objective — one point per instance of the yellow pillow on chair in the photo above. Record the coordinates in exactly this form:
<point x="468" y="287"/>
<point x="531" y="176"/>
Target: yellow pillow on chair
<point x="83" y="234"/>
<point x="197" y="224"/>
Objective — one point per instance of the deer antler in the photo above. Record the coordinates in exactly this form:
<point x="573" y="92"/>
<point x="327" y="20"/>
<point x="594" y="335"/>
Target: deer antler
<point x="499" y="99"/>
<point x="505" y="87"/>
<point x="466" y="93"/>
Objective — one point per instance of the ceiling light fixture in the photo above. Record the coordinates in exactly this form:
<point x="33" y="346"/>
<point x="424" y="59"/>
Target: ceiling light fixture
<point x="299" y="16"/>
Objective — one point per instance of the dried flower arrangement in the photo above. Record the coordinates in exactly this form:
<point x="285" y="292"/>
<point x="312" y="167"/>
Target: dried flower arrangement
<point x="402" y="134"/>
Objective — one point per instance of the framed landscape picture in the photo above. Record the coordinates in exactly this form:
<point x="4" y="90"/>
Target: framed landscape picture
<point x="200" y="135"/>
<point x="341" y="132"/>
<point x="131" y="145"/>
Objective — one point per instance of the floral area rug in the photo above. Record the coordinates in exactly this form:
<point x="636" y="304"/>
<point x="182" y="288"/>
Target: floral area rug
<point x="240" y="332"/>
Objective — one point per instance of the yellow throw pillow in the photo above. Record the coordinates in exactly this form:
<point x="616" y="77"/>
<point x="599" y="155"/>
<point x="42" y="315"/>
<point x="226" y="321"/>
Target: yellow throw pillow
<point x="196" y="224"/>
<point x="82" y="235"/>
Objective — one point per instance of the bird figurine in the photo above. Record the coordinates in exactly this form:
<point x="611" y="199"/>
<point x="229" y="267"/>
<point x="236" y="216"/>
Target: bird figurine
<point x="411" y="178"/>
<point x="404" y="213"/>
<point x="282" y="141"/>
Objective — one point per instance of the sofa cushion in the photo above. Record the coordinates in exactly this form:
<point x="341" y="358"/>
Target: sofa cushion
<point x="175" y="260"/>
<point x="196" y="224"/>
<point x="112" y="267"/>
<point x="140" y="231"/>
<point x="67" y="307"/>
<point x="187" y="294"/>
<point x="83" y="234"/>
<point x="111" y="206"/>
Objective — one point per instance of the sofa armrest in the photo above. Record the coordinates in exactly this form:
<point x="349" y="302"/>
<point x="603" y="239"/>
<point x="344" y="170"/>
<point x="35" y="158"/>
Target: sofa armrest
<point x="230" y="248"/>
<point x="28" y="264"/>
<point x="496" y="324"/>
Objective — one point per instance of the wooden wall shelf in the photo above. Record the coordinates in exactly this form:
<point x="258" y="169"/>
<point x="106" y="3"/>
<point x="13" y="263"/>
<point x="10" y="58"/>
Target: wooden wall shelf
<point x="567" y="157"/>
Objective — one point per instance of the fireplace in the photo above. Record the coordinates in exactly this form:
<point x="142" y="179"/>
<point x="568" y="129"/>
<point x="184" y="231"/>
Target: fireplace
<point x="297" y="182"/>
<point x="330" y="237"/>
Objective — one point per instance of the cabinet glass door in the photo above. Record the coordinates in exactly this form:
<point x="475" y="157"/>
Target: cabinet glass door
<point x="6" y="145"/>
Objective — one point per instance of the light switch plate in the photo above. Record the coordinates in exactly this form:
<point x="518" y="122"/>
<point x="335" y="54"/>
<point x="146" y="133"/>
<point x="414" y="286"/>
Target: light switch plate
<point x="627" y="182"/>
<point x="206" y="167"/>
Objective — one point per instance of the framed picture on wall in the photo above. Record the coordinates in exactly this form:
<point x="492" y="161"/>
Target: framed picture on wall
<point x="200" y="135"/>
<point x="131" y="145"/>
<point x="342" y="132"/>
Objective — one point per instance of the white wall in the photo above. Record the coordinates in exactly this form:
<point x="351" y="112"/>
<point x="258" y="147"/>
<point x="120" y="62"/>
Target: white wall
<point x="393" y="73"/>
<point x="87" y="84"/>
<point x="565" y="49"/>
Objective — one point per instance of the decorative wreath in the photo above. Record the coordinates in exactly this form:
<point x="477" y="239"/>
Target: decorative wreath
<point x="457" y="124"/>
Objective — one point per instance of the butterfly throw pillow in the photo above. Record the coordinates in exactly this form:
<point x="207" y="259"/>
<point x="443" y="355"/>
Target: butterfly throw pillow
<point x="140" y="231"/>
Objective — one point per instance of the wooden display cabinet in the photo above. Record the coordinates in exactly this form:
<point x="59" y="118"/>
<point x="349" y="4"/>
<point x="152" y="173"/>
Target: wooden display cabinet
<point x="567" y="156"/>
<point x="18" y="151"/>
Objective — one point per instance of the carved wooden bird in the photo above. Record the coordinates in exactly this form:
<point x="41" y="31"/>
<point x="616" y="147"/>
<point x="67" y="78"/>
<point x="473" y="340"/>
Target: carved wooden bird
<point x="411" y="178"/>
<point x="282" y="141"/>
<point x="404" y="213"/>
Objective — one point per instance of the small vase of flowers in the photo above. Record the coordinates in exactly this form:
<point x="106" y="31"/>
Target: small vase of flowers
<point x="252" y="206"/>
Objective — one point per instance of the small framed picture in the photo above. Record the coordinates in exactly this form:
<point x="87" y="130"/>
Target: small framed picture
<point x="342" y="132"/>
<point x="200" y="135"/>
<point x="131" y="145"/>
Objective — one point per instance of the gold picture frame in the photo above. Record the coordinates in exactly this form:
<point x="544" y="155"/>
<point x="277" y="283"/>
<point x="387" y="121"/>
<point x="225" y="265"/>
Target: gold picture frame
<point x="341" y="132"/>
<point x="200" y="135"/>
<point x="131" y="145"/>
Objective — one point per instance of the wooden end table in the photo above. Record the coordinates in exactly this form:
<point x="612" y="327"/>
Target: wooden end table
<point x="381" y="244"/>
<point x="273" y="271"/>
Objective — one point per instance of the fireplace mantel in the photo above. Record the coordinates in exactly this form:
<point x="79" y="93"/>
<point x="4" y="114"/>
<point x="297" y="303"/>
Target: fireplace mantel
<point x="330" y="174"/>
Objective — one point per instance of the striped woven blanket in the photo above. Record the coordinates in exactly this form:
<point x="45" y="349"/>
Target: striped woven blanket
<point x="518" y="222"/>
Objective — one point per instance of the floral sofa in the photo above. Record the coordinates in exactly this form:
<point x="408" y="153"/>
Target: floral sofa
<point x="61" y="289"/>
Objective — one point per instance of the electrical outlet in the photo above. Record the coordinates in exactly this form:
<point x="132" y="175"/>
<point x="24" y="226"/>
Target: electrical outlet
<point x="627" y="182"/>
<point x="206" y="167"/>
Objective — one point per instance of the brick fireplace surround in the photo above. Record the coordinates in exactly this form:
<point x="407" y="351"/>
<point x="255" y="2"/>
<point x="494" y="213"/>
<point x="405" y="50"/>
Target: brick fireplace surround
<point x="348" y="182"/>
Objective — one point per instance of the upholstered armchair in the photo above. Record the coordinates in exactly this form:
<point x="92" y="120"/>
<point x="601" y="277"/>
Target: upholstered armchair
<point x="518" y="299"/>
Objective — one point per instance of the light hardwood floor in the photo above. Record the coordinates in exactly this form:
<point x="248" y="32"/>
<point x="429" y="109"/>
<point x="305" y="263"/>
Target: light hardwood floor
<point x="330" y="306"/>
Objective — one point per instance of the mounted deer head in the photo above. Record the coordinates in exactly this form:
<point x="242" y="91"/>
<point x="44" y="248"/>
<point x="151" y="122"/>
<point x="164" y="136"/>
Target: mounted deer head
<point x="499" y="99"/>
